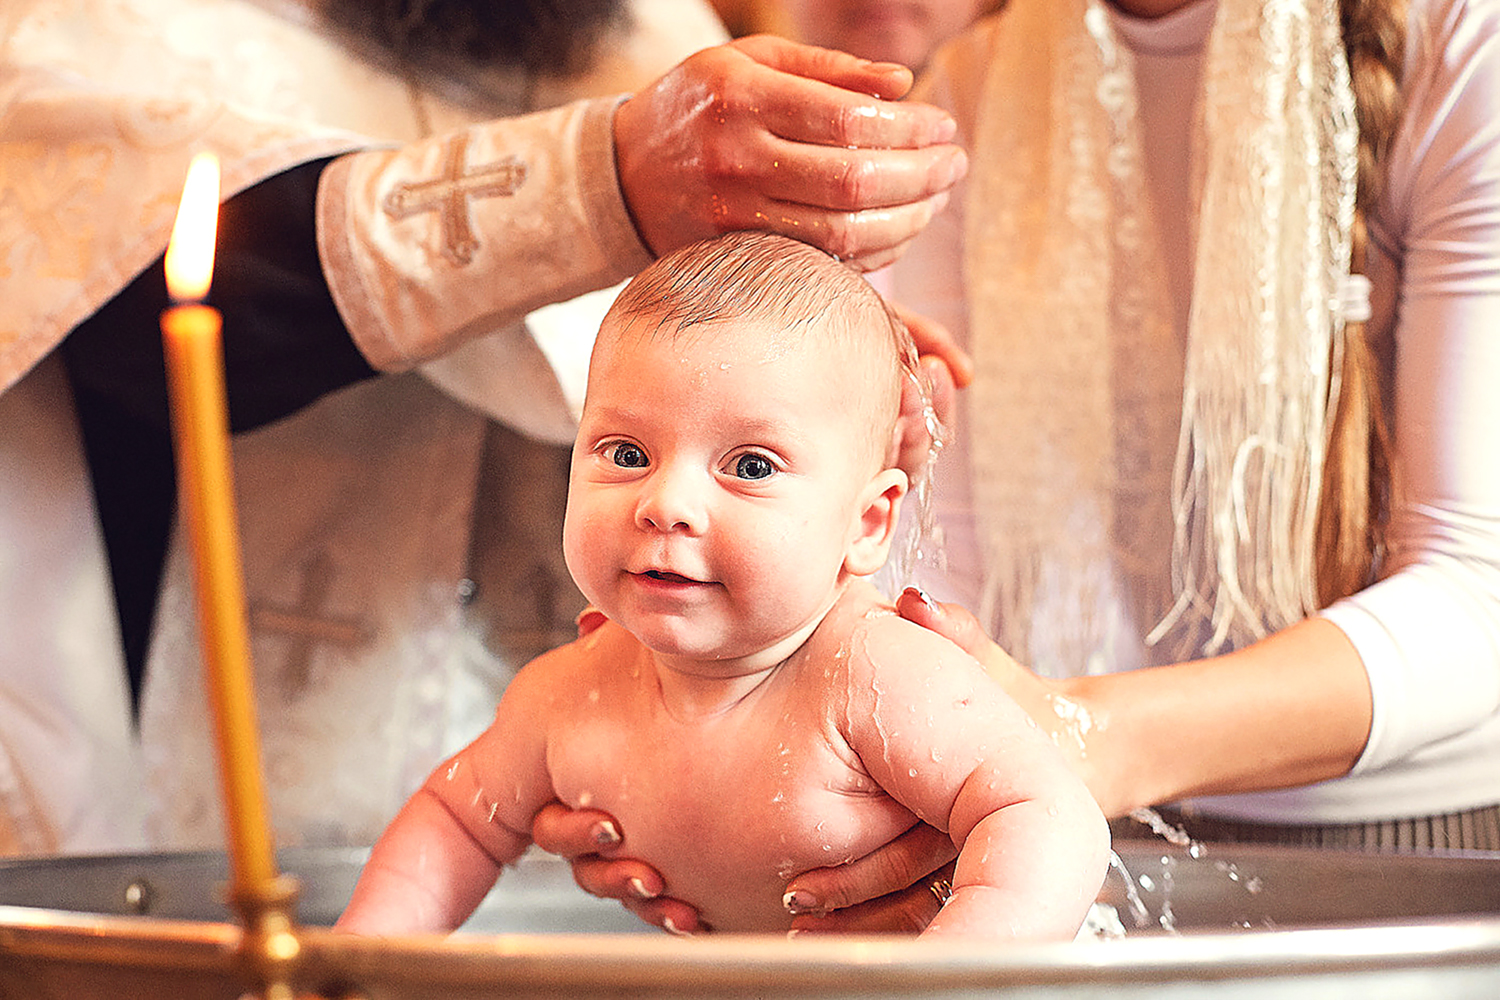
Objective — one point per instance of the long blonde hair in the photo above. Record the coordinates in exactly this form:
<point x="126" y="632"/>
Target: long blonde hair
<point x="1354" y="512"/>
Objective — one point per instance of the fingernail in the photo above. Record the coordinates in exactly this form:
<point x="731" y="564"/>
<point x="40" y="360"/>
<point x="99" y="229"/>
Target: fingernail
<point x="670" y="926"/>
<point x="638" y="887"/>
<point x="801" y="901"/>
<point x="958" y="167"/>
<point x="605" y="833"/>
<point x="939" y="202"/>
<point x="924" y="597"/>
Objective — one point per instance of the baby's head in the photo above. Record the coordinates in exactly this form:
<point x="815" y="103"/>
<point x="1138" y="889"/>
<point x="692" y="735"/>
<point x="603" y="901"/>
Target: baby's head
<point x="733" y="468"/>
<point x="797" y="298"/>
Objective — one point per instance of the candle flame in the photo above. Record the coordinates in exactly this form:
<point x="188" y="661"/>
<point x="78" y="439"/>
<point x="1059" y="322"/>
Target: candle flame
<point x="190" y="254"/>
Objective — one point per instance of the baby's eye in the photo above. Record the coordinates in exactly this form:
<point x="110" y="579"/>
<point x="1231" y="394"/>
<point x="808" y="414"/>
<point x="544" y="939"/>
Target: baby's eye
<point x="753" y="466"/>
<point x="627" y="455"/>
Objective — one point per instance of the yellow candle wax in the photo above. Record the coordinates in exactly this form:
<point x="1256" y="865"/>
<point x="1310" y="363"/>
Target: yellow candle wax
<point x="200" y="427"/>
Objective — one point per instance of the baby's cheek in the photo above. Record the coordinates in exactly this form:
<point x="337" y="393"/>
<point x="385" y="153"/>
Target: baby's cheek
<point x="584" y="551"/>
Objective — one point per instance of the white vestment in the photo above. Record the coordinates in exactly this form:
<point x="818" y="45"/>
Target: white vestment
<point x="358" y="515"/>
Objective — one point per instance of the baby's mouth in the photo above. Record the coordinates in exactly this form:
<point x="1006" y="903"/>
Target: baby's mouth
<point x="664" y="577"/>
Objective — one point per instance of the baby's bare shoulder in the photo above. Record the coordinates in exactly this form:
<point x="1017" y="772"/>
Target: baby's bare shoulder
<point x="867" y="620"/>
<point x="868" y="637"/>
<point x="578" y="666"/>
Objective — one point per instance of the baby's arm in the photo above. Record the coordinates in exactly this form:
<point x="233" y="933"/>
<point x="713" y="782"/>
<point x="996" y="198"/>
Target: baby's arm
<point x="945" y="740"/>
<point x="444" y="850"/>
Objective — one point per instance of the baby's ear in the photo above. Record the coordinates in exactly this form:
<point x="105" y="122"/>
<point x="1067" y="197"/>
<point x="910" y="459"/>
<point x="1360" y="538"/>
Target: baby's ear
<point x="875" y="522"/>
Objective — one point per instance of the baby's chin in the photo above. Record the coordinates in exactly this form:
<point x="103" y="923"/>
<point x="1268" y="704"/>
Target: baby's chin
<point x="730" y="660"/>
<point x="720" y="655"/>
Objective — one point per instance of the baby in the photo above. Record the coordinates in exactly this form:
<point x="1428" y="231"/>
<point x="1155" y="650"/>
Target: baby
<point x="751" y="708"/>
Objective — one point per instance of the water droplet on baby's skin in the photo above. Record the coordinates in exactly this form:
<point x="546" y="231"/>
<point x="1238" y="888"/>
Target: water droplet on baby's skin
<point x="911" y="772"/>
<point x="585" y="799"/>
<point x="452" y="770"/>
<point x="937" y="758"/>
<point x="1052" y="810"/>
<point x="494" y="808"/>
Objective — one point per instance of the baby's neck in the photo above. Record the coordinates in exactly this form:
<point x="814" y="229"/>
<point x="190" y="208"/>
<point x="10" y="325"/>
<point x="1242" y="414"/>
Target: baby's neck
<point x="695" y="688"/>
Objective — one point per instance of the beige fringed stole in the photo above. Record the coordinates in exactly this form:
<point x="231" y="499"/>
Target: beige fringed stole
<point x="1085" y="424"/>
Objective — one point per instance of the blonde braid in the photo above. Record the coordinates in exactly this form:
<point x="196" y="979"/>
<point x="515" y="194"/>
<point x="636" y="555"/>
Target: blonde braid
<point x="1355" y="508"/>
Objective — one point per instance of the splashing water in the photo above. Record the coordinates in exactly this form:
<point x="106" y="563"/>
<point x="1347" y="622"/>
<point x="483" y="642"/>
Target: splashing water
<point x="1190" y="851"/>
<point x="1077" y="723"/>
<point x="921" y="542"/>
<point x="1138" y="911"/>
<point x="1174" y="835"/>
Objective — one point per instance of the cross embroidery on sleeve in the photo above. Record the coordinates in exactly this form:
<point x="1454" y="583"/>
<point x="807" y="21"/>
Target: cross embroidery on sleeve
<point x="449" y="196"/>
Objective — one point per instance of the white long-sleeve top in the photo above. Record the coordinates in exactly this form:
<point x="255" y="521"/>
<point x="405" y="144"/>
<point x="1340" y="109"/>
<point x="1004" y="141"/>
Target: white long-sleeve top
<point x="1429" y="632"/>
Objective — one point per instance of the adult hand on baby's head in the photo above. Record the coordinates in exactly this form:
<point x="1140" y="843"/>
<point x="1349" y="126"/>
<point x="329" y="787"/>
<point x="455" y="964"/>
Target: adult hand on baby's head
<point x="591" y="841"/>
<point x="764" y="133"/>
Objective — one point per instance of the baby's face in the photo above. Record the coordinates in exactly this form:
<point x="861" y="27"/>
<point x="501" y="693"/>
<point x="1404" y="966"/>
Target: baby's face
<point x="716" y="485"/>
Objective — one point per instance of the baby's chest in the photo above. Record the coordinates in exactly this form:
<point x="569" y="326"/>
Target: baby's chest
<point x="726" y="808"/>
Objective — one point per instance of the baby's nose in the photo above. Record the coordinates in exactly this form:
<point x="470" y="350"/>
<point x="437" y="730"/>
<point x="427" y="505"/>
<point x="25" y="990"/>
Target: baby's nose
<point x="672" y="500"/>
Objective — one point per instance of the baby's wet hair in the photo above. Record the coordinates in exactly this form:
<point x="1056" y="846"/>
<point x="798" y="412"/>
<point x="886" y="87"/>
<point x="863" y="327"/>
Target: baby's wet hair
<point x="767" y="278"/>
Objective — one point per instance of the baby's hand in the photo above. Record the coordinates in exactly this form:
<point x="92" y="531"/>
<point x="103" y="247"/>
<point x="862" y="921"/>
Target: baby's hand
<point x="591" y="841"/>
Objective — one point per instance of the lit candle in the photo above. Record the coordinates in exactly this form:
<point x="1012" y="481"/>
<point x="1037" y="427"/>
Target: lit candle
<point x="200" y="423"/>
